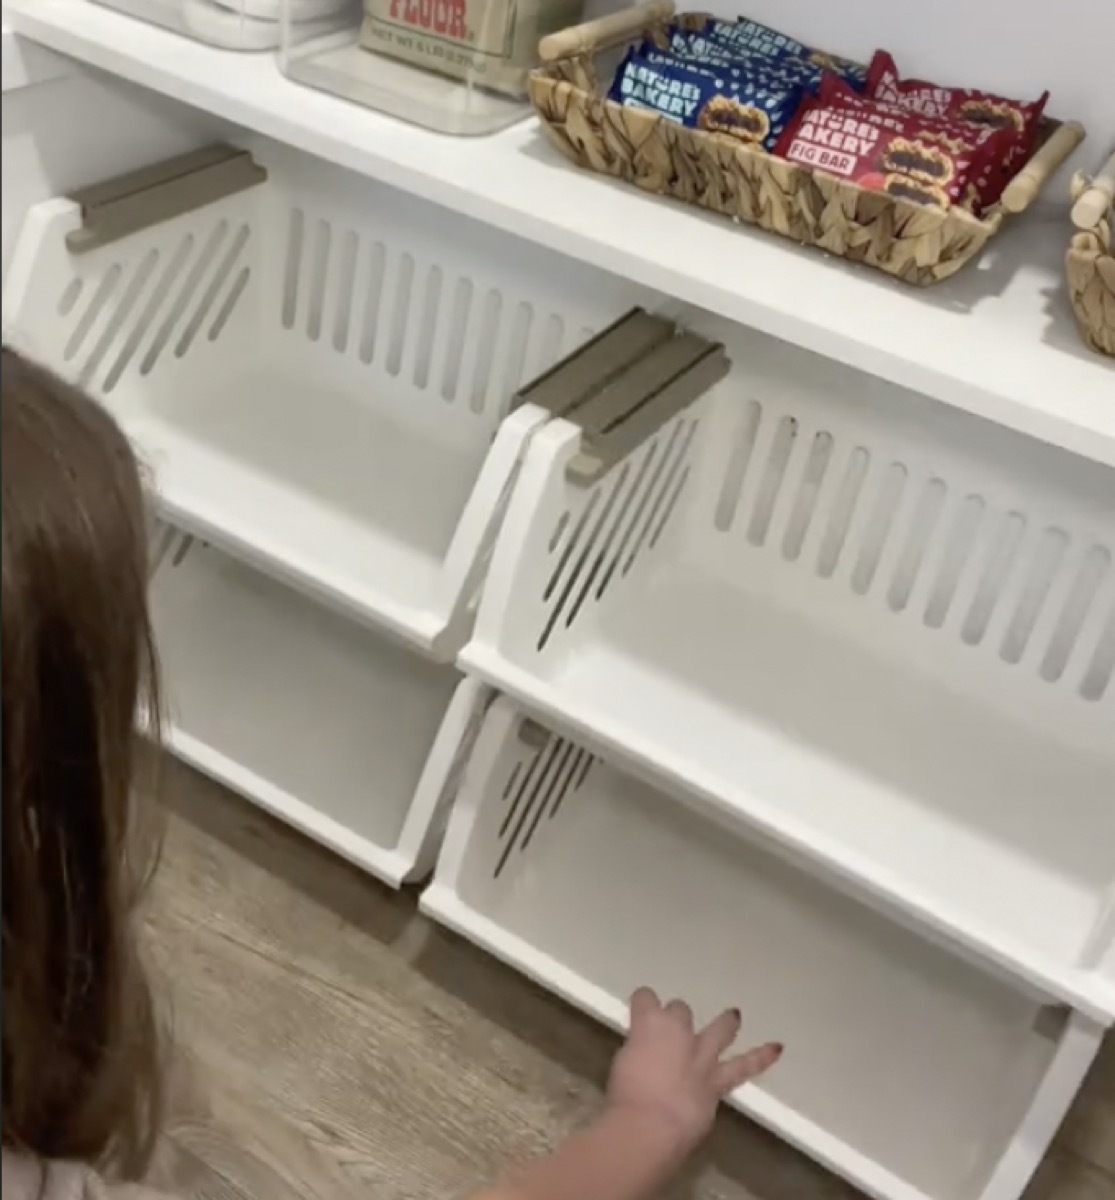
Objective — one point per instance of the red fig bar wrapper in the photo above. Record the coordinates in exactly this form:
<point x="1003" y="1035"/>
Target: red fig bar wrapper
<point x="973" y="107"/>
<point x="995" y="149"/>
<point x="925" y="160"/>
<point x="956" y="104"/>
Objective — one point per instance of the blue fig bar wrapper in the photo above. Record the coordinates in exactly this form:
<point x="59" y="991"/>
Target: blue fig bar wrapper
<point x="751" y="108"/>
<point x="762" y="76"/>
<point x="751" y="37"/>
<point x="747" y="42"/>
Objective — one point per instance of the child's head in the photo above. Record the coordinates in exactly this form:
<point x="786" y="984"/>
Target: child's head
<point x="80" y="1051"/>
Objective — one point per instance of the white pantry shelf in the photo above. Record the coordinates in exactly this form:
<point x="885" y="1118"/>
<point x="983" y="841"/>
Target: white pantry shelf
<point x="998" y="341"/>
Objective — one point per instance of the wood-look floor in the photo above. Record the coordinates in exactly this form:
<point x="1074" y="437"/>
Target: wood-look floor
<point x="333" y="1045"/>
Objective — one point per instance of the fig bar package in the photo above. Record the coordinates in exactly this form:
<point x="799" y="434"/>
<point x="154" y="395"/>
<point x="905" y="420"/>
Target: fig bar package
<point x="492" y="43"/>
<point x="994" y="148"/>
<point x="956" y="104"/>
<point x="969" y="105"/>
<point x="752" y="108"/>
<point x="924" y="159"/>
<point x="710" y="41"/>
<point x="769" y="76"/>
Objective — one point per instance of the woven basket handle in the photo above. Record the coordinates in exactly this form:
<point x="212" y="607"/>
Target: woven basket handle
<point x="1023" y="189"/>
<point x="604" y="32"/>
<point x="1096" y="199"/>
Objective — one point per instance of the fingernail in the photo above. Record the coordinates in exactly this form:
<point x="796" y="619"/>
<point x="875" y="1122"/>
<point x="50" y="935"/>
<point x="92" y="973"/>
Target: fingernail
<point x="736" y="1013"/>
<point x="777" y="1048"/>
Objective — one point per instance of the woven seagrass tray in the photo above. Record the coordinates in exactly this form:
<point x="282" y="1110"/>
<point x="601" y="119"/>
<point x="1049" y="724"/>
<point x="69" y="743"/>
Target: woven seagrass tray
<point x="1090" y="262"/>
<point x="917" y="244"/>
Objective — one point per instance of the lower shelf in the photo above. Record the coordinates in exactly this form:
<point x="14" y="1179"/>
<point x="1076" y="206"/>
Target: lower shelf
<point x="345" y="735"/>
<point x="907" y="1071"/>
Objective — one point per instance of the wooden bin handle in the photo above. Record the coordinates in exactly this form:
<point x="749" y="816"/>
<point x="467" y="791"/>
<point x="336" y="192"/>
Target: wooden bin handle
<point x="604" y="31"/>
<point x="1023" y="189"/>
<point x="1096" y="199"/>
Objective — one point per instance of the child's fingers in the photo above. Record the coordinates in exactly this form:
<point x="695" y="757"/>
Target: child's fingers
<point x="644" y="1003"/>
<point x="717" y="1037"/>
<point x="737" y="1071"/>
<point x="682" y="1013"/>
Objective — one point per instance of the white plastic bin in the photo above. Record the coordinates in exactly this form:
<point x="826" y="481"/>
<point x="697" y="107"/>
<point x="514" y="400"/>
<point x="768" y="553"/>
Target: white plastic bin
<point x="873" y="630"/>
<point x="907" y="1071"/>
<point x="234" y="24"/>
<point x="318" y="368"/>
<point x="344" y="734"/>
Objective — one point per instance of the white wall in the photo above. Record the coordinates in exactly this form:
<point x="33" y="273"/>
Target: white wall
<point x="1016" y="47"/>
<point x="65" y="128"/>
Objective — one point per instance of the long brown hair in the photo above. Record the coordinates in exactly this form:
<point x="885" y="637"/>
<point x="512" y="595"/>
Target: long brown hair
<point x="81" y="1070"/>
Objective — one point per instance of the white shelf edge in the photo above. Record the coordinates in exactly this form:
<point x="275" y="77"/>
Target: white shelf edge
<point x="991" y="360"/>
<point x="1086" y="992"/>
<point x="387" y="865"/>
<point x="26" y="64"/>
<point x="414" y="629"/>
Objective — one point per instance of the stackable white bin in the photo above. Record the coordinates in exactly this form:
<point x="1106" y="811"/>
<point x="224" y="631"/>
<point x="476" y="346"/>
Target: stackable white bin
<point x="909" y="1071"/>
<point x="873" y="631"/>
<point x="349" y="737"/>
<point x="318" y="369"/>
<point x="319" y="374"/>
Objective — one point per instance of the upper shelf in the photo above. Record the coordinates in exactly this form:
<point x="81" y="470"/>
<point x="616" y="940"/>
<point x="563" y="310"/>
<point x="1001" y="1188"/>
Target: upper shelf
<point x="998" y="341"/>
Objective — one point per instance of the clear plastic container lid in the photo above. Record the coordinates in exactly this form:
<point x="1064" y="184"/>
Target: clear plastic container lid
<point x="457" y="66"/>
<point x="234" y="24"/>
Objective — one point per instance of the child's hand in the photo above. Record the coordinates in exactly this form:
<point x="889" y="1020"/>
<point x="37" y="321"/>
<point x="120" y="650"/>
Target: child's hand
<point x="673" y="1077"/>
<point x="666" y="1084"/>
